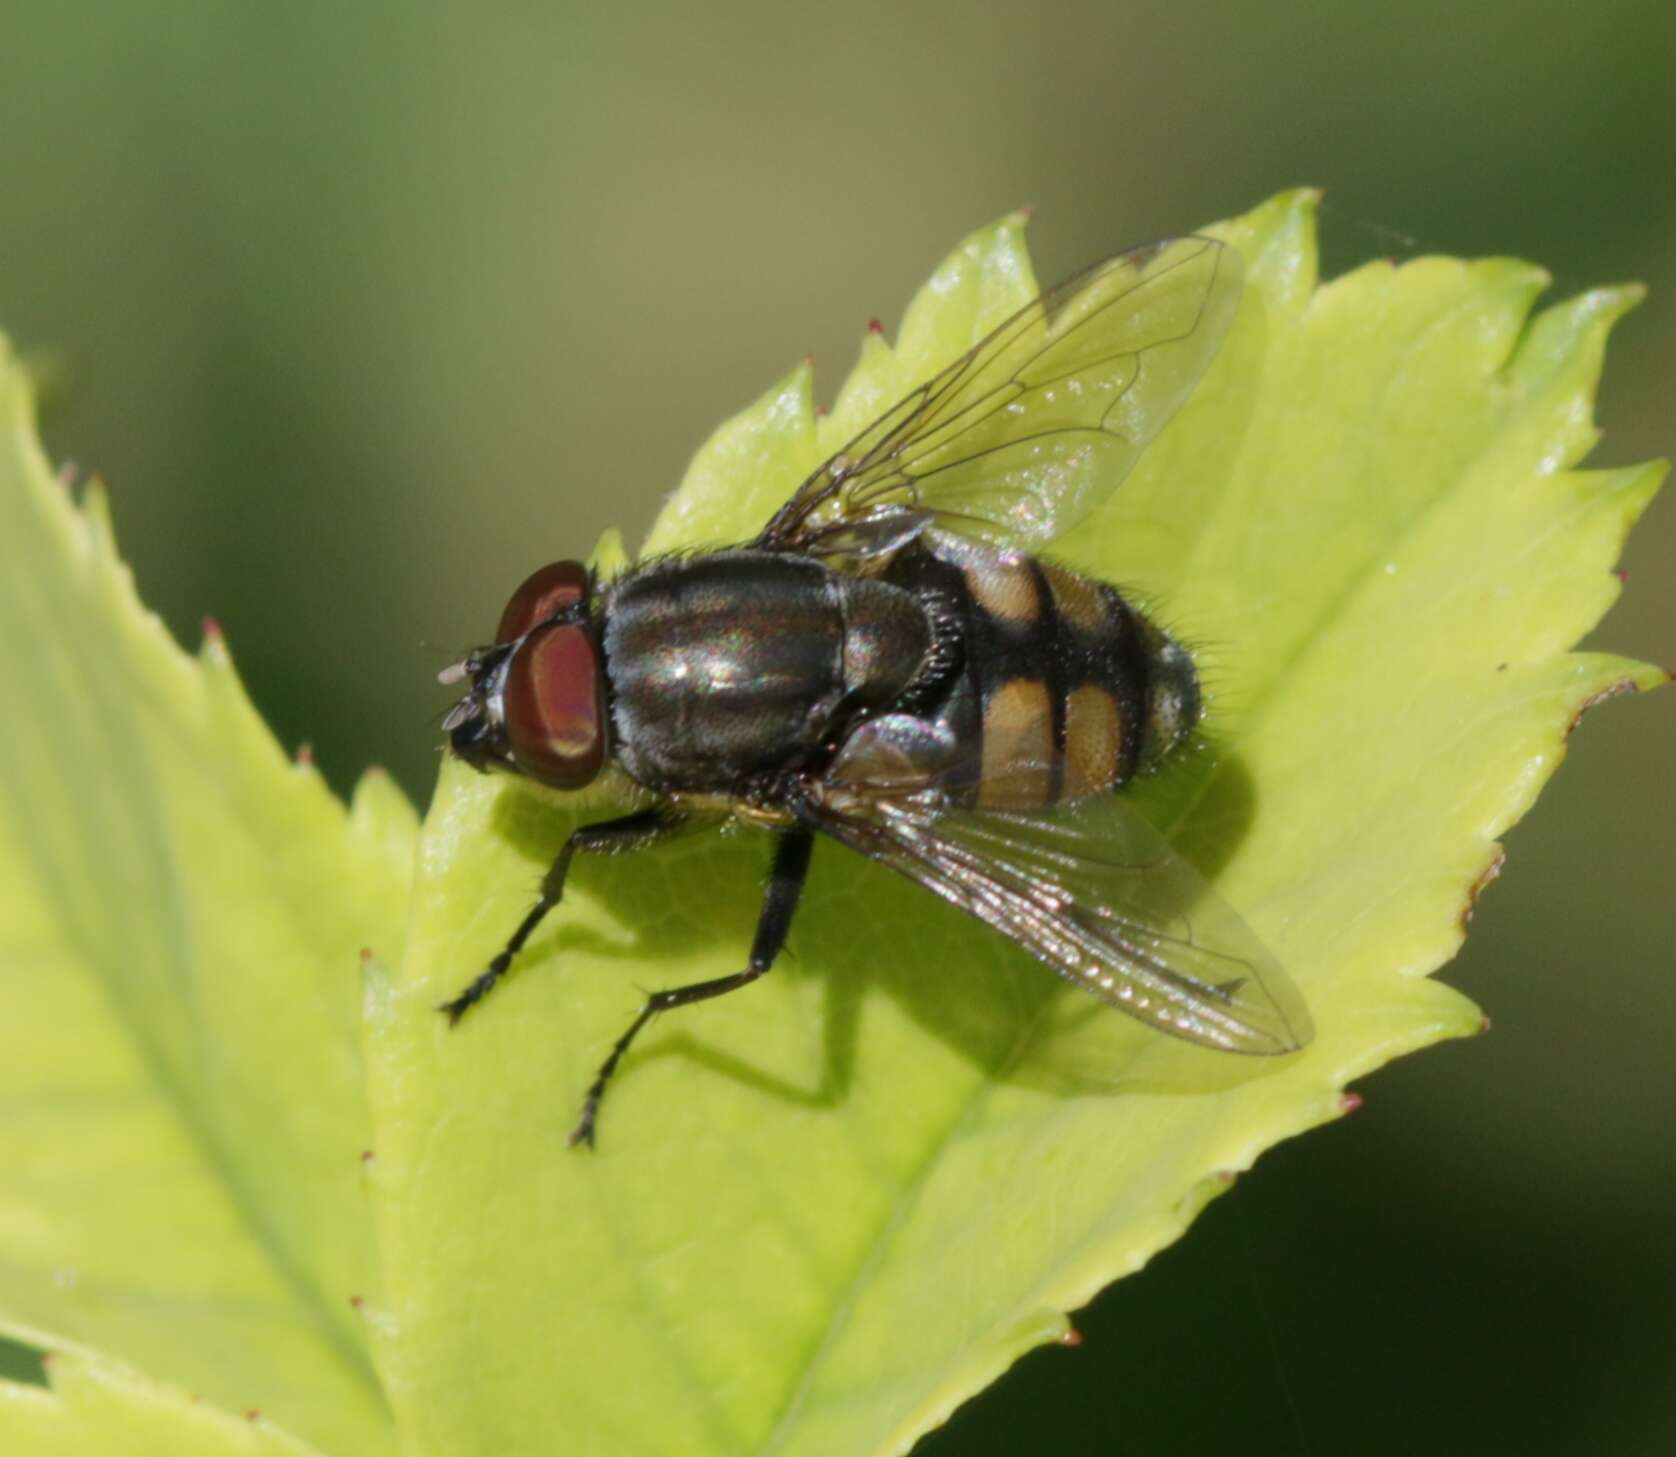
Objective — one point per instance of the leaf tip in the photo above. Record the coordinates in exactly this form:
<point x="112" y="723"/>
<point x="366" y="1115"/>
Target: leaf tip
<point x="378" y="802"/>
<point x="96" y="519"/>
<point x="213" y="651"/>
<point x="610" y="557"/>
<point x="1277" y="240"/>
<point x="874" y="356"/>
<point x="1292" y="208"/>
<point x="1614" y="300"/>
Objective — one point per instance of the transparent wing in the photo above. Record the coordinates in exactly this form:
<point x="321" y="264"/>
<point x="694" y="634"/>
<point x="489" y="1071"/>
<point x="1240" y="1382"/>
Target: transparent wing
<point x="1021" y="437"/>
<point x="1095" y="892"/>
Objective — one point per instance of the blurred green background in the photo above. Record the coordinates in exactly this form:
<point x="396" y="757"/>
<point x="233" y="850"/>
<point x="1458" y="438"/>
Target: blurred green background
<point x="365" y="310"/>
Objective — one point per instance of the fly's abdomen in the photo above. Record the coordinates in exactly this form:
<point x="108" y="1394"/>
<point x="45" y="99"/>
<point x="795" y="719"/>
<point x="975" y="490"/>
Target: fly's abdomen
<point x="1125" y="692"/>
<point x="1065" y="690"/>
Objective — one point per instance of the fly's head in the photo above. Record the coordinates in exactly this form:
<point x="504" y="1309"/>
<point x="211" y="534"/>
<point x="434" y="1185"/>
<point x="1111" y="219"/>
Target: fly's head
<point x="535" y="702"/>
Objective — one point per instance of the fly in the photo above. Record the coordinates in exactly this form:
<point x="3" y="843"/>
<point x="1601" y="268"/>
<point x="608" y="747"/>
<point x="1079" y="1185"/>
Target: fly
<point x="890" y="664"/>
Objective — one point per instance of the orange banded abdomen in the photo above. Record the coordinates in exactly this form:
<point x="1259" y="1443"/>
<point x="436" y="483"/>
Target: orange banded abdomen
<point x="1063" y="689"/>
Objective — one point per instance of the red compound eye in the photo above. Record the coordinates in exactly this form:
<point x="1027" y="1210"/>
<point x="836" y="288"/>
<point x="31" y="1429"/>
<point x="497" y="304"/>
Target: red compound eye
<point x="554" y="587"/>
<point x="554" y="706"/>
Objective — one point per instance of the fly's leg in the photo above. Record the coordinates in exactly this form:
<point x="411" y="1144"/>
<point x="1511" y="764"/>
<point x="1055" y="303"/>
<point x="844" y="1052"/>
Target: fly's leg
<point x="608" y="837"/>
<point x="779" y="905"/>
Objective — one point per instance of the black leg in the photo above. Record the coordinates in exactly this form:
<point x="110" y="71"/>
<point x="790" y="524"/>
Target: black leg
<point x="608" y="837"/>
<point x="779" y="904"/>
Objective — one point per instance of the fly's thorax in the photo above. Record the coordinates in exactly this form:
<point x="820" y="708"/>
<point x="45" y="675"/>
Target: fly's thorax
<point x="731" y="664"/>
<point x="888" y="641"/>
<point x="1065" y="689"/>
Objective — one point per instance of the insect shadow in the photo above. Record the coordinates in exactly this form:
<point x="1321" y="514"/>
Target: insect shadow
<point x="863" y="930"/>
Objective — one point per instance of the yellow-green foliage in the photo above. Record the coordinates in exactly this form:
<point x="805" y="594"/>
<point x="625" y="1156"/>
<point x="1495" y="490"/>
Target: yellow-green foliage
<point x="827" y="1210"/>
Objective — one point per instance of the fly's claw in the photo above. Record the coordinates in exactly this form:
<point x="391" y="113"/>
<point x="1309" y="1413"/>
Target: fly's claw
<point x="479" y="988"/>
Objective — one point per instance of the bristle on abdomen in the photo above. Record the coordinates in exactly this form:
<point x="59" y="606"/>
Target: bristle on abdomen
<point x="1174" y="700"/>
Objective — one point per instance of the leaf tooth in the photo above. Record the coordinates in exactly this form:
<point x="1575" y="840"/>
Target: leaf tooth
<point x="1567" y="340"/>
<point x="610" y="557"/>
<point x="873" y="385"/>
<point x="213" y="652"/>
<point x="1278" y="240"/>
<point x="983" y="279"/>
<point x="747" y="467"/>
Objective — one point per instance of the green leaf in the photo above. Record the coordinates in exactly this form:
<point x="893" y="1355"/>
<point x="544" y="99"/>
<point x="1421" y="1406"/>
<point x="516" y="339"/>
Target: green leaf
<point x="181" y="910"/>
<point x="96" y="1408"/>
<point x="826" y="1211"/>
